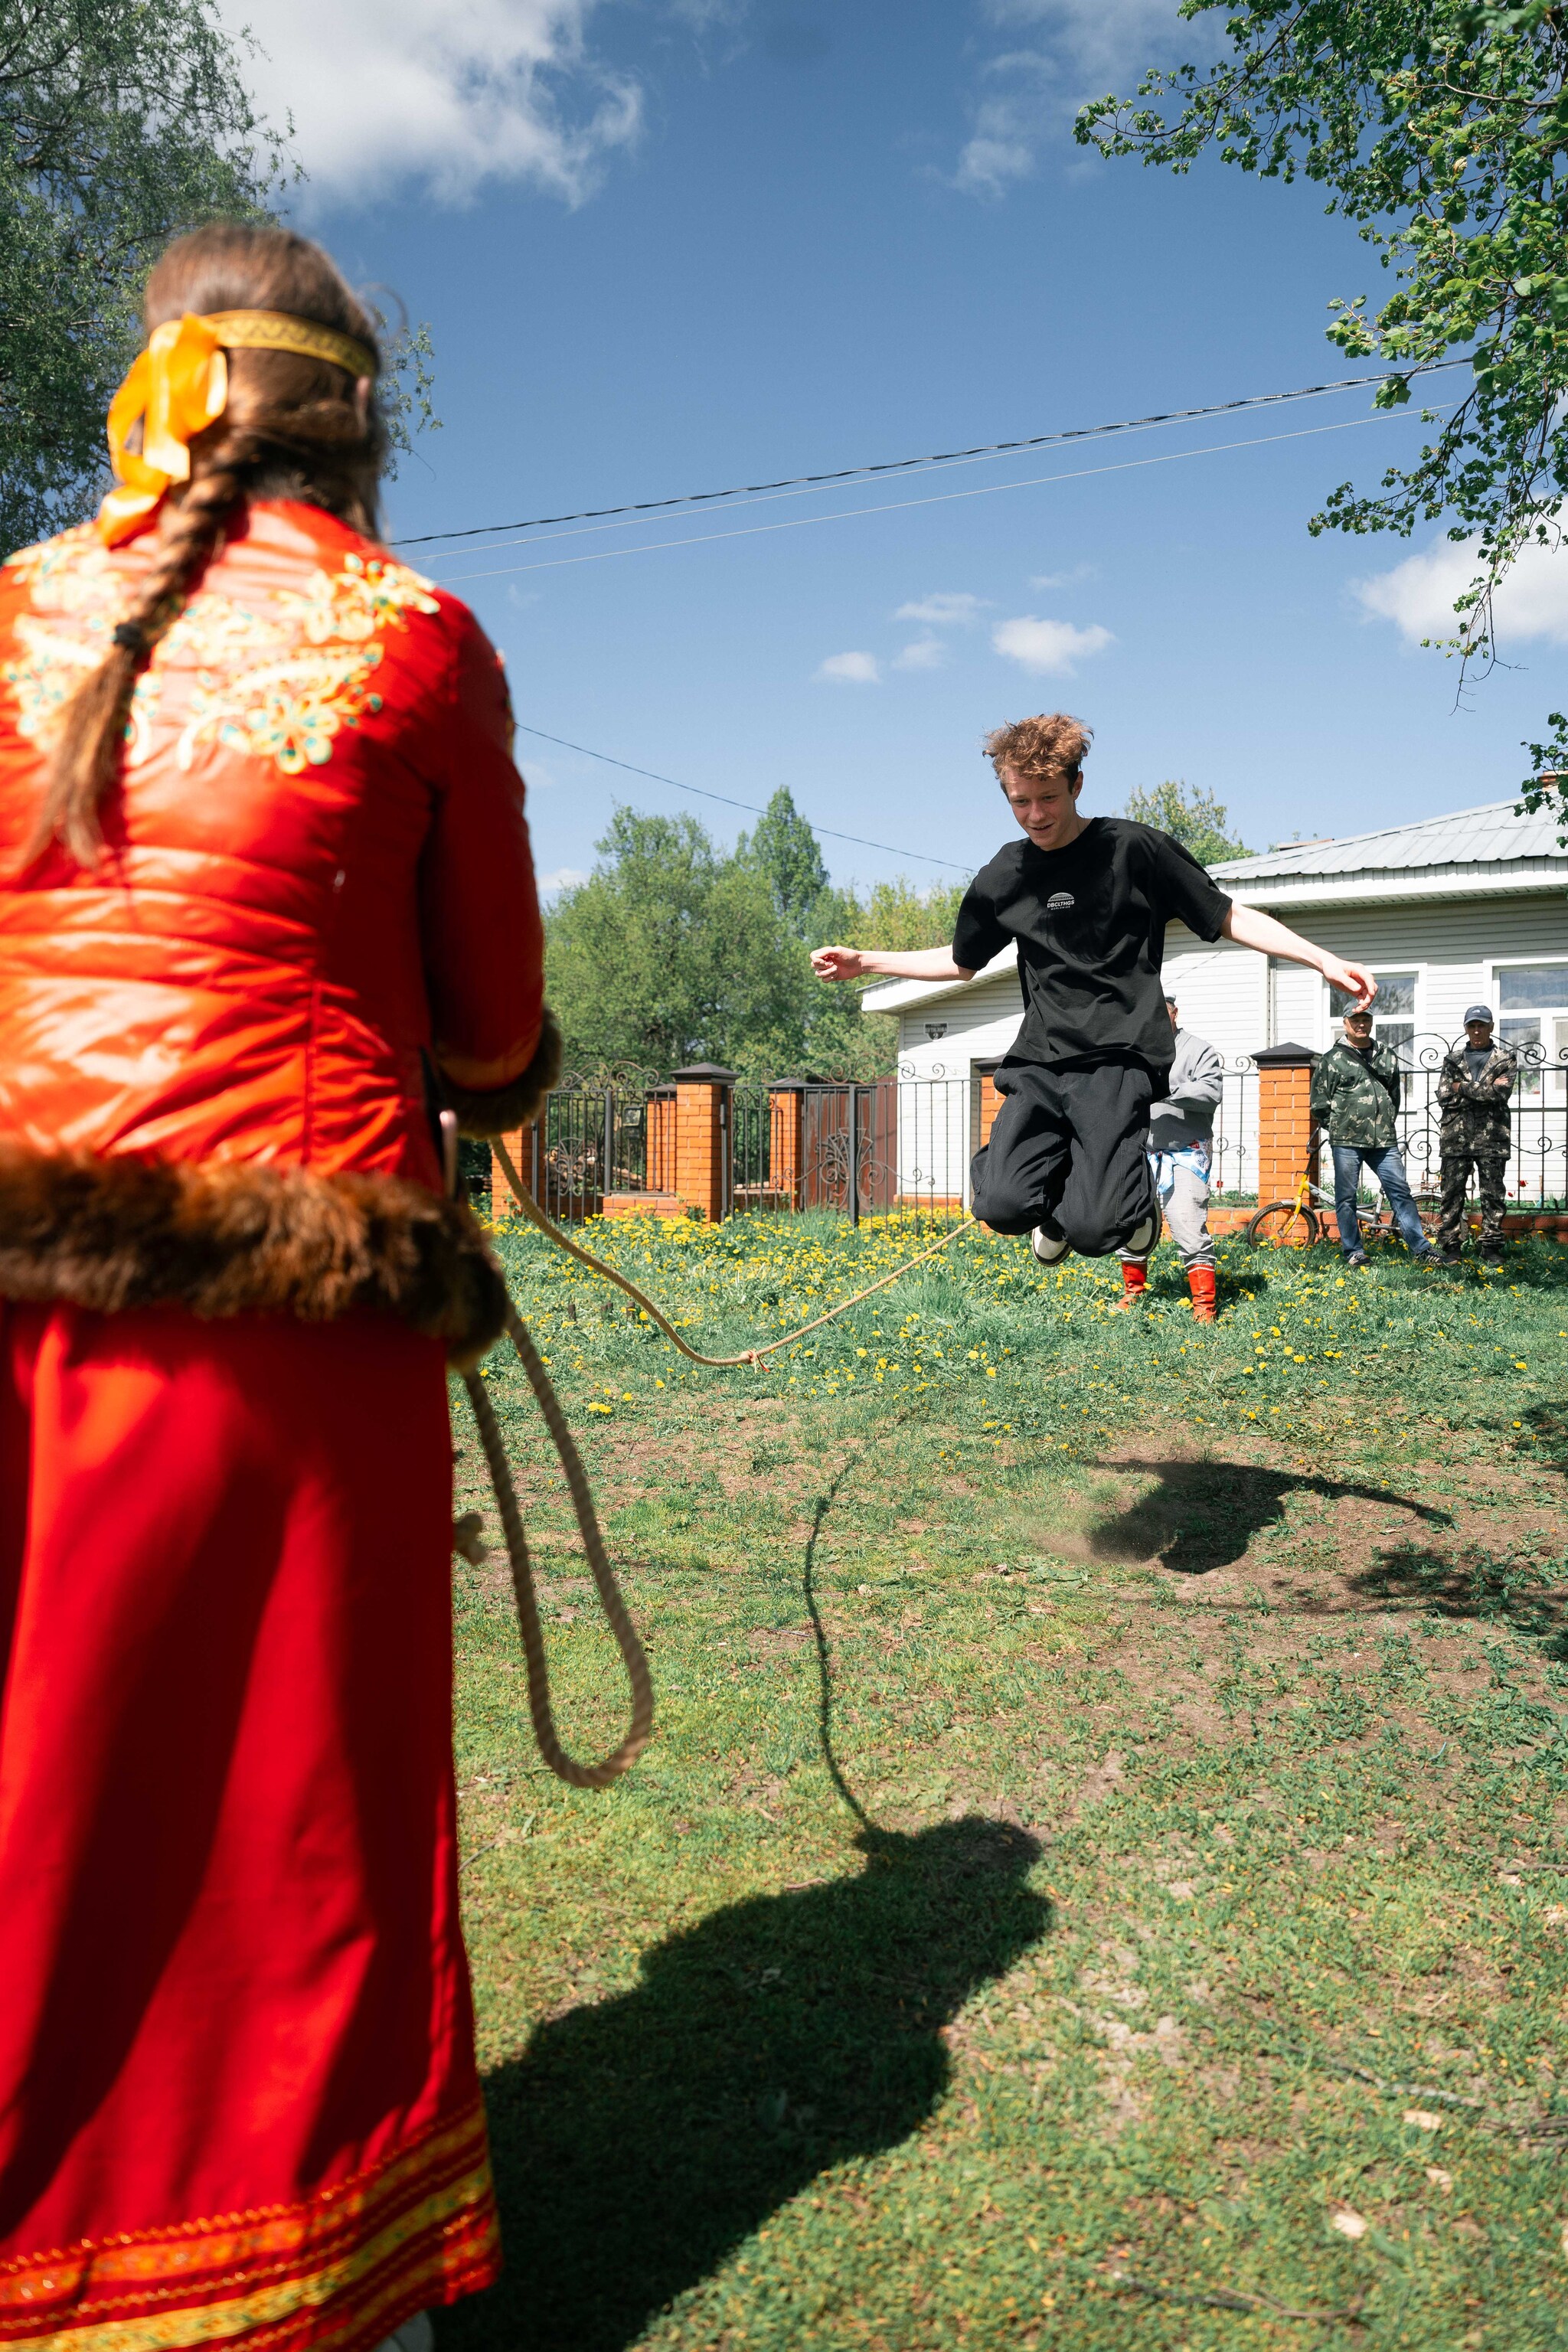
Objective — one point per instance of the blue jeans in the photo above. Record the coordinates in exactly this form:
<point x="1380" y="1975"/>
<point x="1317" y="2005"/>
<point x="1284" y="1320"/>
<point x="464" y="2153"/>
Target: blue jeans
<point x="1389" y="1169"/>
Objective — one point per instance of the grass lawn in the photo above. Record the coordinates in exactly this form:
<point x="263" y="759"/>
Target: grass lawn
<point x="1101" y="1877"/>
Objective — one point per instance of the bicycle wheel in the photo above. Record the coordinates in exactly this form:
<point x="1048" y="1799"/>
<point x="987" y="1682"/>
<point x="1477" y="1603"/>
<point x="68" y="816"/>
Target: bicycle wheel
<point x="1283" y="1225"/>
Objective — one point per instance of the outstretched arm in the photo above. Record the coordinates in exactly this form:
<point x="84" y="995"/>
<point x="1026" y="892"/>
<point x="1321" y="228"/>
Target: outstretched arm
<point x="1251" y="928"/>
<point x="861" y="964"/>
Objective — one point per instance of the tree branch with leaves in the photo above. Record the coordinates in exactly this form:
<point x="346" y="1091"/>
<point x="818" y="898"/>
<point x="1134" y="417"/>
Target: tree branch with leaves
<point x="1440" y="127"/>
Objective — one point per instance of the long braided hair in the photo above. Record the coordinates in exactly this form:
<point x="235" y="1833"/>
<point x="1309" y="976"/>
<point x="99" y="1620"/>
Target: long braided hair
<point x="292" y="428"/>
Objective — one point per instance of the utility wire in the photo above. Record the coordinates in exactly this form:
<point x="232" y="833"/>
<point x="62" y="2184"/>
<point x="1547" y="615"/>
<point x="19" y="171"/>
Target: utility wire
<point x="750" y="807"/>
<point x="901" y="506"/>
<point x="941" y="457"/>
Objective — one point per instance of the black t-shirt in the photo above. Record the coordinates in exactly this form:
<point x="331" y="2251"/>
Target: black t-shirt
<point x="1090" y="921"/>
<point x="1478" y="1057"/>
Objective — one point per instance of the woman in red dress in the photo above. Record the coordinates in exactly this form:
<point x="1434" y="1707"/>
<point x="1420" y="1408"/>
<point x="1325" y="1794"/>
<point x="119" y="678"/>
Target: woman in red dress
<point x="266" y="884"/>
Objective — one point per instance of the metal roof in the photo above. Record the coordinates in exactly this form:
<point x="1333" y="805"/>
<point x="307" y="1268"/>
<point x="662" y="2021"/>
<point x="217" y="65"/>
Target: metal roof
<point x="1494" y="834"/>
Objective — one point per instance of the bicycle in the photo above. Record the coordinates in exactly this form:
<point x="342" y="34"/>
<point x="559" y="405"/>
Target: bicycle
<point x="1299" y="1223"/>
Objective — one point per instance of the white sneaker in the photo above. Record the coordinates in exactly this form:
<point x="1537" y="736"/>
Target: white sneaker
<point x="416" y="2335"/>
<point x="1141" y="1239"/>
<point x="1050" y="1248"/>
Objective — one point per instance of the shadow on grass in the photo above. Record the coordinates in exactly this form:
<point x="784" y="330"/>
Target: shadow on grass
<point x="1204" y="1515"/>
<point x="1516" y="1591"/>
<point x="638" y="2141"/>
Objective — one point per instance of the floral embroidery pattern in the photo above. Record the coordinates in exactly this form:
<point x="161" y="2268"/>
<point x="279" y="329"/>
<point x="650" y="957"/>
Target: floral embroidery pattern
<point x="277" y="683"/>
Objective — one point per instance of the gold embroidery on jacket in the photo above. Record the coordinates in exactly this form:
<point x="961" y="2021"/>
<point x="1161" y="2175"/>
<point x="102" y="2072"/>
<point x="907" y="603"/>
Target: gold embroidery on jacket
<point x="279" y="683"/>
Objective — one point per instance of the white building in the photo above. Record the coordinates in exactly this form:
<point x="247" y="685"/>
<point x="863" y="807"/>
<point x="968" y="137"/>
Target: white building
<point x="1467" y="909"/>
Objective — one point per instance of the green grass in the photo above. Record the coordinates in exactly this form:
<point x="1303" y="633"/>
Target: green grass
<point x="1106" y="1818"/>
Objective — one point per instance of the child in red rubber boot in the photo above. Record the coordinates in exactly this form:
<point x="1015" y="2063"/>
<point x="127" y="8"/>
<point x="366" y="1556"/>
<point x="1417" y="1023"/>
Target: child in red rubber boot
<point x="1181" y="1139"/>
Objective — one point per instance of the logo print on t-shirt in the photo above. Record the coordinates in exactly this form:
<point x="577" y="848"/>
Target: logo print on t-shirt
<point x="1059" y="901"/>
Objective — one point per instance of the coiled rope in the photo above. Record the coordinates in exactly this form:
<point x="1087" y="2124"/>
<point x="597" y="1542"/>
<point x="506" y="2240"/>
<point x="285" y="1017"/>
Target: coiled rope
<point x="632" y="1656"/>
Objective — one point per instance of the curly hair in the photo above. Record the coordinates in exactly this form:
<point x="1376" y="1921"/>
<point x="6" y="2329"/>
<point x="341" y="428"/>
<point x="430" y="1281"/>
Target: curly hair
<point x="1055" y="744"/>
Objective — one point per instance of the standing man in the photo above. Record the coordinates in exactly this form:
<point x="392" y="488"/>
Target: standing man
<point x="1356" y="1095"/>
<point x="1181" y="1138"/>
<point x="1478" y="1079"/>
<point x="1085" y="902"/>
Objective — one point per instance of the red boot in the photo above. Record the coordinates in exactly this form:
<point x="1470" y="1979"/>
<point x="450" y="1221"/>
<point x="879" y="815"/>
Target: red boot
<point x="1200" y="1281"/>
<point x="1134" y="1281"/>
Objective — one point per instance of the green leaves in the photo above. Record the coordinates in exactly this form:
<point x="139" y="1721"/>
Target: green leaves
<point x="1441" y="128"/>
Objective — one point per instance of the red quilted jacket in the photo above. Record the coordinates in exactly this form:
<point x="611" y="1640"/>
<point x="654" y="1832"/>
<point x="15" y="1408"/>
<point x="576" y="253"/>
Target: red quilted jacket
<point x="317" y="873"/>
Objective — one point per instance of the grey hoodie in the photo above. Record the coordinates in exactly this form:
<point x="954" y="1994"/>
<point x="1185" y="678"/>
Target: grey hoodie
<point x="1186" y="1115"/>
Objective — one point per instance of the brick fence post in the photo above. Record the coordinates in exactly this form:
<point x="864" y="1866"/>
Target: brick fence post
<point x="704" y="1103"/>
<point x="522" y="1144"/>
<point x="1286" y="1146"/>
<point x="786" y="1142"/>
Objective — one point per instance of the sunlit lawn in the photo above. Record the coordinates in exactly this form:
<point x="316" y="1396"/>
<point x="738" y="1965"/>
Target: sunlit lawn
<point x="1097" y="1880"/>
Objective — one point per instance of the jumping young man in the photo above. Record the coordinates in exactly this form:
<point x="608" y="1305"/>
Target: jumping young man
<point x="1087" y="900"/>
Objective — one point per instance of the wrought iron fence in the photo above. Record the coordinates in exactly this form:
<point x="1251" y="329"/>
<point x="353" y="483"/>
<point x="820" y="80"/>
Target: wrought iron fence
<point x="1538" y="1122"/>
<point x="902" y="1146"/>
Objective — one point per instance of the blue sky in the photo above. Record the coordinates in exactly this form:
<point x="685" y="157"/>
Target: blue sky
<point x="673" y="246"/>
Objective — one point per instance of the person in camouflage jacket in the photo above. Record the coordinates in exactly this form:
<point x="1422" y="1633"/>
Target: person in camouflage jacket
<point x="1478" y="1079"/>
<point x="1356" y="1095"/>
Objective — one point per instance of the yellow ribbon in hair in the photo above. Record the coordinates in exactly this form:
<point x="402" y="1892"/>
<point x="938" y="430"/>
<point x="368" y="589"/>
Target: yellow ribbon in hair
<point x="179" y="386"/>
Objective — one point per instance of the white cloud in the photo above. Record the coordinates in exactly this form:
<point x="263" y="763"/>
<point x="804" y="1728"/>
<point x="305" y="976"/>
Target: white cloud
<point x="447" y="96"/>
<point x="1418" y="595"/>
<point x="565" y="877"/>
<point x="1043" y="579"/>
<point x="1052" y="647"/>
<point x="1080" y="48"/>
<point x="852" y="670"/>
<point x="926" y="652"/>
<point x="945" y="609"/>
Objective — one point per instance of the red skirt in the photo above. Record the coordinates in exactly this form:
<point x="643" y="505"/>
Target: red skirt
<point x="238" y="2094"/>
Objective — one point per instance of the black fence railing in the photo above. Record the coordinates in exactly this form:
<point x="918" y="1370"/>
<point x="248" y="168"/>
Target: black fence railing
<point x="901" y="1146"/>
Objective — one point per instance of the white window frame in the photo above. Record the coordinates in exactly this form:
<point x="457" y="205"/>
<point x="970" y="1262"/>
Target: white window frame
<point x="1495" y="970"/>
<point x="1329" y="1027"/>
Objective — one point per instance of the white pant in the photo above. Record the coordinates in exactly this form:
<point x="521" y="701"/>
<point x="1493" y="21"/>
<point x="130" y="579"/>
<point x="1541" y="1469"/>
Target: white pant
<point x="1187" y="1207"/>
<point x="416" y="2335"/>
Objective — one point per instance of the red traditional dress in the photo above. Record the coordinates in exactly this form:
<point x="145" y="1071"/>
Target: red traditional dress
<point x="238" y="2096"/>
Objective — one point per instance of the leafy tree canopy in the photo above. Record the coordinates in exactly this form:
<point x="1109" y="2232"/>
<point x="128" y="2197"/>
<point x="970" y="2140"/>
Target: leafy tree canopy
<point x="1440" y="127"/>
<point x="785" y="849"/>
<point x="122" y="124"/>
<point x="1196" y="819"/>
<point x="674" y="950"/>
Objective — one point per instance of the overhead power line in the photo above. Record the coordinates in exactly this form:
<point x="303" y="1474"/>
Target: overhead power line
<point x="750" y="807"/>
<point x="901" y="506"/>
<point x="938" y="457"/>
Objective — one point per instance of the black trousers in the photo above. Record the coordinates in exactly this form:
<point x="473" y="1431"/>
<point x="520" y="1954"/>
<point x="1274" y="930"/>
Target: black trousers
<point x="1069" y="1150"/>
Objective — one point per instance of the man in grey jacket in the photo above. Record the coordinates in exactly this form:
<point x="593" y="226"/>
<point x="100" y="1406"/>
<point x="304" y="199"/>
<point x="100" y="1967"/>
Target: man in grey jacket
<point x="1181" y="1140"/>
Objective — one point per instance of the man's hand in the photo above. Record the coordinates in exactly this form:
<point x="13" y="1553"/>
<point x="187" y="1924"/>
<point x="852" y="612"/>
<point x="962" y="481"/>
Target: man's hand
<point x="1502" y="1080"/>
<point x="837" y="964"/>
<point x="1352" y="980"/>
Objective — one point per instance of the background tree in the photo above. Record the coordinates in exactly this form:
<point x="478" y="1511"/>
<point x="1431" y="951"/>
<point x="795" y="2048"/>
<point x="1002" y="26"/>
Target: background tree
<point x="1196" y="819"/>
<point x="1440" y="127"/>
<point x="123" y="123"/>
<point x="785" y="850"/>
<point x="675" y="950"/>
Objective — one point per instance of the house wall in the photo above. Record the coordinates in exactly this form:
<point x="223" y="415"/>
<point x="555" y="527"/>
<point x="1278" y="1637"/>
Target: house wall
<point x="1453" y="947"/>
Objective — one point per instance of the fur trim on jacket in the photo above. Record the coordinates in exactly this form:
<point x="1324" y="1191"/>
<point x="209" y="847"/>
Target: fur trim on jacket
<point x="517" y="1104"/>
<point x="235" y="1238"/>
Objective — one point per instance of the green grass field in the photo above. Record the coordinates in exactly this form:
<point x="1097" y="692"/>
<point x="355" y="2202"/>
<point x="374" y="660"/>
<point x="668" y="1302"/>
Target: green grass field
<point x="1099" y="1879"/>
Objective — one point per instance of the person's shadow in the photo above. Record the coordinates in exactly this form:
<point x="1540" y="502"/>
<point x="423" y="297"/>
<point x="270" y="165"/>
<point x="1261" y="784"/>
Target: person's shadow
<point x="1204" y="1515"/>
<point x="638" y="2141"/>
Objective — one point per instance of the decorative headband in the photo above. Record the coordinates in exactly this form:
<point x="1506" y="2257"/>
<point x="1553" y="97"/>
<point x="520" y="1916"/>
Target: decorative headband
<point x="179" y="386"/>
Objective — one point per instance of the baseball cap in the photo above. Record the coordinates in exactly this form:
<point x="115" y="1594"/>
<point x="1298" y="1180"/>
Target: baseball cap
<point x="1478" y="1012"/>
<point x="1356" y="1013"/>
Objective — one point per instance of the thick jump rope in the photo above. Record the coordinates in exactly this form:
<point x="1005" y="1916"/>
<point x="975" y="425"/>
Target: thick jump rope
<point x="634" y="1658"/>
